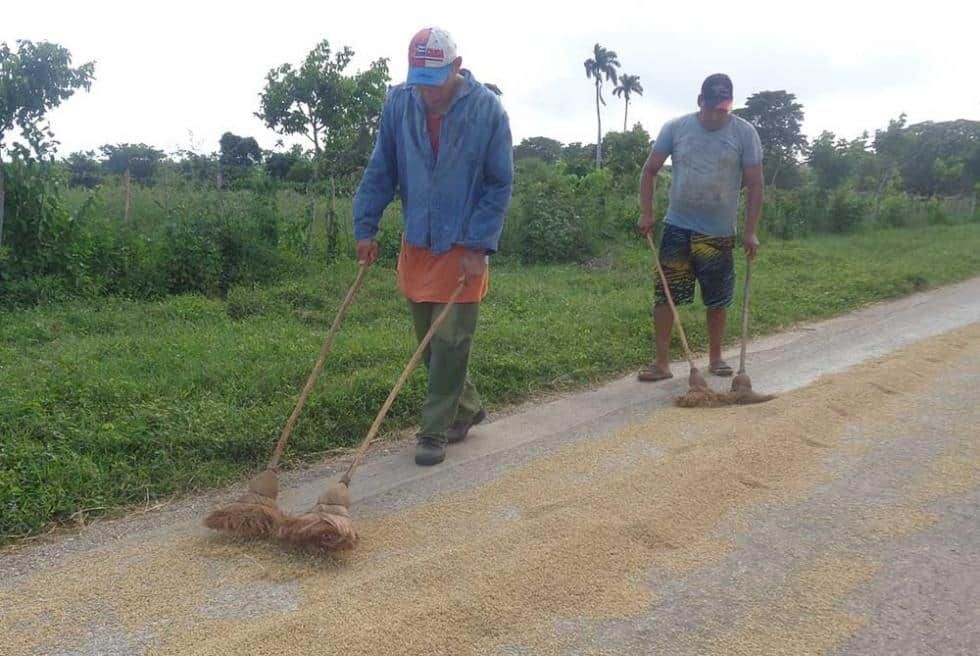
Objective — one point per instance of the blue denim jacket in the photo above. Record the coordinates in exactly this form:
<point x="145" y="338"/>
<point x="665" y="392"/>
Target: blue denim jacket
<point x="459" y="198"/>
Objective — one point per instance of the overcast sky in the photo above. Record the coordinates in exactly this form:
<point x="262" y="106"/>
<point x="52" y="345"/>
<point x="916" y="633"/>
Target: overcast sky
<point x="178" y="74"/>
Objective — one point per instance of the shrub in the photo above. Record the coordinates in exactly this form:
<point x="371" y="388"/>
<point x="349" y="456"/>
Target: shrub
<point x="936" y="214"/>
<point x="847" y="211"/>
<point x="894" y="211"/>
<point x="551" y="228"/>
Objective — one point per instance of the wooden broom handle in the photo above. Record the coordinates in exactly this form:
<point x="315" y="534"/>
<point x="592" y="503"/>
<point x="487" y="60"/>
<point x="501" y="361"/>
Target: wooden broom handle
<point x="670" y="301"/>
<point x="745" y="315"/>
<point x="324" y="350"/>
<point x="376" y="426"/>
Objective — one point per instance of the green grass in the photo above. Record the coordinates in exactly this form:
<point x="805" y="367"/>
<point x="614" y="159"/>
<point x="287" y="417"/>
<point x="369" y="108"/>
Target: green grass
<point x="106" y="403"/>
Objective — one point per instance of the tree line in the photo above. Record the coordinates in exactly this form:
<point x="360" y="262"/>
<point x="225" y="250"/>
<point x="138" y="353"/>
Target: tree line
<point x="569" y="198"/>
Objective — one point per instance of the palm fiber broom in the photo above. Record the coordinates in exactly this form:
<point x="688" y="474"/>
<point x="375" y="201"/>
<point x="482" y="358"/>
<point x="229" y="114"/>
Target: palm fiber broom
<point x="255" y="513"/>
<point x="328" y="525"/>
<point x="741" y="392"/>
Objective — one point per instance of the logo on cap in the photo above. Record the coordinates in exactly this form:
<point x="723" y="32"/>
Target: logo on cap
<point x="431" y="47"/>
<point x="424" y="53"/>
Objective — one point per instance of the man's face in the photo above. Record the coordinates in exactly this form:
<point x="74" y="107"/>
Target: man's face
<point x="439" y="97"/>
<point x="712" y="118"/>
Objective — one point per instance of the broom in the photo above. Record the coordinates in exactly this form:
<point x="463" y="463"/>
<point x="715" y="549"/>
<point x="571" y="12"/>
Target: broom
<point x="699" y="394"/>
<point x="742" y="385"/>
<point x="328" y="525"/>
<point x="255" y="513"/>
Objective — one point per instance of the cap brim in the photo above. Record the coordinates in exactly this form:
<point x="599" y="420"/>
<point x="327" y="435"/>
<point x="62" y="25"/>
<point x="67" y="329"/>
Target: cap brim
<point x="429" y="77"/>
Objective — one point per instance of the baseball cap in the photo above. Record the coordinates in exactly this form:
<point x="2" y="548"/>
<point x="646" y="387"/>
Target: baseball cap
<point x="430" y="57"/>
<point x="716" y="91"/>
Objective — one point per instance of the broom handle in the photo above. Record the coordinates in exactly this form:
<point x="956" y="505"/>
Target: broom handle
<point x="670" y="301"/>
<point x="376" y="426"/>
<point x="327" y="344"/>
<point x="745" y="315"/>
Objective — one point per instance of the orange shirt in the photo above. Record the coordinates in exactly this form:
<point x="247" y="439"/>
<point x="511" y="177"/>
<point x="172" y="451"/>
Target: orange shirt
<point x="427" y="278"/>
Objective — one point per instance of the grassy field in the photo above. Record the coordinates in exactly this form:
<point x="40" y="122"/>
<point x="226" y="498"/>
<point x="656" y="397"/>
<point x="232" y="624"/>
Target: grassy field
<point x="107" y="403"/>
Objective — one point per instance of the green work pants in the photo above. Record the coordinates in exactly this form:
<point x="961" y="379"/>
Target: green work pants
<point x="451" y="396"/>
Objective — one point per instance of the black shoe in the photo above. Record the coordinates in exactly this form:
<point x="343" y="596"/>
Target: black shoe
<point x="457" y="432"/>
<point x="429" y="451"/>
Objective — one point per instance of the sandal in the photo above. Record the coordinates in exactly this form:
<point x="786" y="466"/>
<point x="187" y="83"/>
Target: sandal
<point x="652" y="374"/>
<point x="720" y="368"/>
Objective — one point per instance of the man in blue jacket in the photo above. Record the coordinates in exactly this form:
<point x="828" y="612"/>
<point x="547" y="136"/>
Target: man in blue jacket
<point x="444" y="145"/>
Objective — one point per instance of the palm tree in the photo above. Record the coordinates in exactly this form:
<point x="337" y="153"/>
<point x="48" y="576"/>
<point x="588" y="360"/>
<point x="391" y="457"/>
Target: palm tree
<point x="603" y="62"/>
<point x="628" y="84"/>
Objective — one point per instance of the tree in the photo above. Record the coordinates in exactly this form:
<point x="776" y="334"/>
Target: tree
<point x="828" y="157"/>
<point x="864" y="168"/>
<point x="132" y="161"/>
<point x="349" y="143"/>
<point x="948" y="175"/>
<point x="602" y="63"/>
<point x="778" y="118"/>
<point x="624" y="152"/>
<point x="197" y="168"/>
<point x="84" y="170"/>
<point x="337" y="113"/>
<point x="577" y="159"/>
<point x="628" y="85"/>
<point x="937" y="157"/>
<point x="34" y="79"/>
<point x="278" y="164"/>
<point x="238" y="155"/>
<point x="891" y="148"/>
<point x="543" y="148"/>
<point x="301" y="171"/>
<point x="140" y="160"/>
<point x="973" y="165"/>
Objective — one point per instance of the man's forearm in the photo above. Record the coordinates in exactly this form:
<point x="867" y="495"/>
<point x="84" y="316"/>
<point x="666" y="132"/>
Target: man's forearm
<point x="753" y="208"/>
<point x="648" y="187"/>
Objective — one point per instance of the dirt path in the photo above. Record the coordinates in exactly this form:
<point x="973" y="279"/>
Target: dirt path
<point x="842" y="518"/>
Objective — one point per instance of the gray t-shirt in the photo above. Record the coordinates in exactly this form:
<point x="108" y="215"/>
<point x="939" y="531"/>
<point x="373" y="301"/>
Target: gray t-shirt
<point x="706" y="172"/>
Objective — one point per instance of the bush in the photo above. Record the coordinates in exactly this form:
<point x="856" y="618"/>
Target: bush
<point x="894" y="211"/>
<point x="182" y="238"/>
<point x="34" y="291"/>
<point x="38" y="230"/>
<point x="557" y="217"/>
<point x="847" y="211"/>
<point x="209" y="254"/>
<point x="783" y="216"/>
<point x="550" y="226"/>
<point x="623" y="212"/>
<point x="594" y="196"/>
<point x="936" y="214"/>
<point x="193" y="259"/>
<point x="203" y="243"/>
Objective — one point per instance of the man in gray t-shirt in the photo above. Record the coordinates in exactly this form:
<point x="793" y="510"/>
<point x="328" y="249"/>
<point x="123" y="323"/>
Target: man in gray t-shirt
<point x="712" y="153"/>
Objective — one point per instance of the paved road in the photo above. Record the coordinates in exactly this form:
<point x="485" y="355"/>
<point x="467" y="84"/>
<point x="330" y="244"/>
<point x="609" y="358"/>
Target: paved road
<point x="842" y="518"/>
